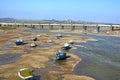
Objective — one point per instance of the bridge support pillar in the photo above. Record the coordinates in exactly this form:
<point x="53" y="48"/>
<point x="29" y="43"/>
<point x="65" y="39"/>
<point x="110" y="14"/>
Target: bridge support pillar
<point x="41" y="27"/>
<point x="33" y="26"/>
<point x="18" y="25"/>
<point x="85" y="28"/>
<point x="51" y="27"/>
<point x="73" y="28"/>
<point x="25" y="25"/>
<point x="112" y="28"/>
<point x="62" y="27"/>
<point x="98" y="29"/>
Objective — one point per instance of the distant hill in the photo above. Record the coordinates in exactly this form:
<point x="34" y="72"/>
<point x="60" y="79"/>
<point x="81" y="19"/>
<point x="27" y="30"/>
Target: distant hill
<point x="7" y="20"/>
<point x="53" y="21"/>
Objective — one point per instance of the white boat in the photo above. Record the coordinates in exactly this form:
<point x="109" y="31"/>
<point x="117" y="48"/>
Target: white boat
<point x="71" y="42"/>
<point x="66" y="46"/>
<point x="33" y="45"/>
<point x="50" y="41"/>
<point x="59" y="35"/>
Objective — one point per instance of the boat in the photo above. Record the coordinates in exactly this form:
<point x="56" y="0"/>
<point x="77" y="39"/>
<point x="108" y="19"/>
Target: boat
<point x="25" y="74"/>
<point x="19" y="42"/>
<point x="59" y="36"/>
<point x="71" y="42"/>
<point x="50" y="41"/>
<point x="60" y="55"/>
<point x="34" y="39"/>
<point x="66" y="46"/>
<point x="33" y="45"/>
<point x="39" y="35"/>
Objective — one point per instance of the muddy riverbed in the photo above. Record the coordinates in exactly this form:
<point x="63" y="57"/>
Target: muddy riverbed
<point x="40" y="59"/>
<point x="91" y="57"/>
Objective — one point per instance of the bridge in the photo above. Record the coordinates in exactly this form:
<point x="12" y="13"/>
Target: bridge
<point x="82" y="26"/>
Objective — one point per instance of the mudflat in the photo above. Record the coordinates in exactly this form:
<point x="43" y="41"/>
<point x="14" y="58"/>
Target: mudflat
<point x="40" y="59"/>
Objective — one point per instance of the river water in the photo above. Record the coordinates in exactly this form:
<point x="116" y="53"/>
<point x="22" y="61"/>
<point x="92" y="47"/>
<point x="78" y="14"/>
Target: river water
<point x="100" y="59"/>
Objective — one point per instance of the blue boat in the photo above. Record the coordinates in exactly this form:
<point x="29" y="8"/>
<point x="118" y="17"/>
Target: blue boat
<point x="60" y="56"/>
<point x="19" y="42"/>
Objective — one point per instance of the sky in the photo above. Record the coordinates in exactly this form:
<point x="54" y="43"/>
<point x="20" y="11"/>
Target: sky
<point x="83" y="10"/>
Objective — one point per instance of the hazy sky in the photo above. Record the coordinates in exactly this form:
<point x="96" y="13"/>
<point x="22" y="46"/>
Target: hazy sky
<point x="85" y="10"/>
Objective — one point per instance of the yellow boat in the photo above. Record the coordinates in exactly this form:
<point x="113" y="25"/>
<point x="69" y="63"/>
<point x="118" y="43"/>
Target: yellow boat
<point x="25" y="74"/>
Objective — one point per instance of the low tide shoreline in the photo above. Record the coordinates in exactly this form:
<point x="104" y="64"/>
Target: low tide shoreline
<point x="38" y="58"/>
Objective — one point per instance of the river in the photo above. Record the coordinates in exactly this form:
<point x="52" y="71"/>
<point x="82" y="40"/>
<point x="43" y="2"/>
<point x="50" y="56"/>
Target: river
<point x="100" y="59"/>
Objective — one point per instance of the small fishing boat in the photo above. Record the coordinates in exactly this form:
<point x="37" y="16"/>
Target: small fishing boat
<point x="66" y="46"/>
<point x="25" y="74"/>
<point x="39" y="35"/>
<point x="33" y="45"/>
<point x="71" y="42"/>
<point x="19" y="42"/>
<point x="50" y="41"/>
<point x="34" y="39"/>
<point x="59" y="36"/>
<point x="60" y="55"/>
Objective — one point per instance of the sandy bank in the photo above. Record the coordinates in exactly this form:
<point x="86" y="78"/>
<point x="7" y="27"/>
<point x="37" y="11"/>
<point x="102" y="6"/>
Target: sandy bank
<point x="38" y="58"/>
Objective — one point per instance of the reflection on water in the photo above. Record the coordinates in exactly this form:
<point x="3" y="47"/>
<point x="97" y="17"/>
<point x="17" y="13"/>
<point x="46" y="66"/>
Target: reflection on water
<point x="8" y="58"/>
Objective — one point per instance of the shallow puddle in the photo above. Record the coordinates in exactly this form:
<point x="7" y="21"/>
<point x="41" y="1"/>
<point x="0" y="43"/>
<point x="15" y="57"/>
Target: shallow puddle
<point x="9" y="58"/>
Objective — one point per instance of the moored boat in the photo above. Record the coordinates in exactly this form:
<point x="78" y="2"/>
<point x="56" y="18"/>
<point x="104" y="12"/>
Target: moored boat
<point x="50" y="41"/>
<point x="60" y="55"/>
<point x="33" y="45"/>
<point x="25" y="74"/>
<point x="34" y="38"/>
<point x="19" y="42"/>
<point x="71" y="42"/>
<point x="59" y="36"/>
<point x="66" y="46"/>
